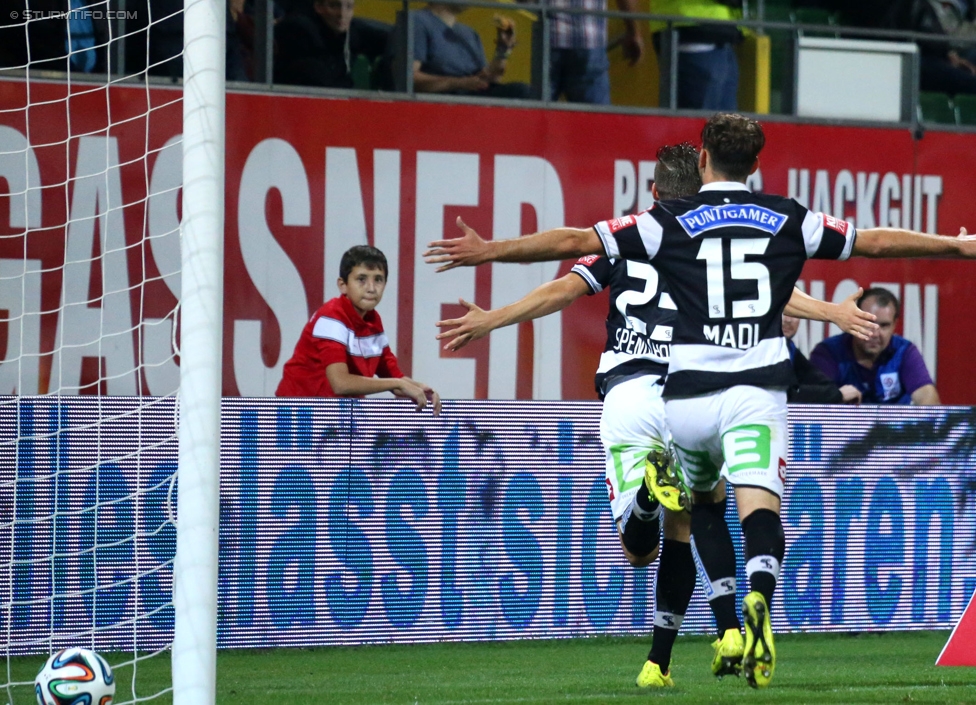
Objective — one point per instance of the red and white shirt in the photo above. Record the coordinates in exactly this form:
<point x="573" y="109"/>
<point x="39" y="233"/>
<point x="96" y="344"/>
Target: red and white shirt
<point x="337" y="333"/>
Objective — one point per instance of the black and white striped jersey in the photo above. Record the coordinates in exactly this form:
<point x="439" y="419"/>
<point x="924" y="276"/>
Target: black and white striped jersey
<point x="730" y="259"/>
<point x="640" y="320"/>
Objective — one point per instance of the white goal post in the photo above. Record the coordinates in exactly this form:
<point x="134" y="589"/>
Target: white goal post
<point x="111" y="327"/>
<point x="195" y="569"/>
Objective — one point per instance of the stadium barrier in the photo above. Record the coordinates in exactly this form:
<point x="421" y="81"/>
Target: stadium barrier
<point x="355" y="522"/>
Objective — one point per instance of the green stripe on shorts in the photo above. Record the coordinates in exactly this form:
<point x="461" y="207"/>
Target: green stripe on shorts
<point x="697" y="468"/>
<point x="635" y="456"/>
<point x="747" y="447"/>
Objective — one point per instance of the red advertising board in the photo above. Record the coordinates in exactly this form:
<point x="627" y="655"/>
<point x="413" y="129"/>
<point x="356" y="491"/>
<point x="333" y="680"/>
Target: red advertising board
<point x="306" y="178"/>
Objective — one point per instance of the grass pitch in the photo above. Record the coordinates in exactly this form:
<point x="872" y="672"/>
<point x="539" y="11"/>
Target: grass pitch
<point x="811" y="668"/>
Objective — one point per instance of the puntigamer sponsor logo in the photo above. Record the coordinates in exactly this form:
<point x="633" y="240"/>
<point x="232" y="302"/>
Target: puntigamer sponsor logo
<point x="707" y="218"/>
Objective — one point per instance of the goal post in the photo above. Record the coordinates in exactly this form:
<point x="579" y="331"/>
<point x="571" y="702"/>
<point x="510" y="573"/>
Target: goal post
<point x="195" y="568"/>
<point x="111" y="322"/>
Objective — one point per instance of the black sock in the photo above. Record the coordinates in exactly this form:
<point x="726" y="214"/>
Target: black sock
<point x="765" y="547"/>
<point x="716" y="553"/>
<point x="675" y="584"/>
<point x="645" y="501"/>
<point x="642" y="529"/>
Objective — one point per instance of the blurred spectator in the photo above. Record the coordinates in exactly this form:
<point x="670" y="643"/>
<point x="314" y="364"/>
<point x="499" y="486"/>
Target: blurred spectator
<point x="579" y="68"/>
<point x="159" y="21"/>
<point x="886" y="368"/>
<point x="237" y="52"/>
<point x="318" y="42"/>
<point x="967" y="30"/>
<point x="448" y="56"/>
<point x="812" y="386"/>
<point x="56" y="44"/>
<point x="708" y="70"/>
<point x="165" y="50"/>
<point x="242" y="61"/>
<point x="166" y="38"/>
<point x="943" y="67"/>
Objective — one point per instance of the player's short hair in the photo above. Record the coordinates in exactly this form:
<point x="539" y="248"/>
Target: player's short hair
<point x="676" y="174"/>
<point x="883" y="297"/>
<point x="733" y="143"/>
<point x="364" y="255"/>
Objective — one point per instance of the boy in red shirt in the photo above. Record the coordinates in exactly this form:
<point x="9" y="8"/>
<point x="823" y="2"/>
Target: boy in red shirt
<point x="343" y="346"/>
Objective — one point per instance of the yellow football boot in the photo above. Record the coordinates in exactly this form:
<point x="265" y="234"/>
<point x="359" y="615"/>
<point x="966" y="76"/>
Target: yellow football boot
<point x="651" y="677"/>
<point x="759" y="660"/>
<point x="728" y="654"/>
<point x="663" y="483"/>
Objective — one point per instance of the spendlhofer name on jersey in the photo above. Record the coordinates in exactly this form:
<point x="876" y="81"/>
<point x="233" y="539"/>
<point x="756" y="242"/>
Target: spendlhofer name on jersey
<point x="735" y="335"/>
<point x="631" y="342"/>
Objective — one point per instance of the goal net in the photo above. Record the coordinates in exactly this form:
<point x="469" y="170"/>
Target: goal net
<point x="106" y="303"/>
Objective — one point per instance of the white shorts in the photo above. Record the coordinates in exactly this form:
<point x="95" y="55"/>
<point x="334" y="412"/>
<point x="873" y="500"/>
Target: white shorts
<point x="744" y="427"/>
<point x="631" y="426"/>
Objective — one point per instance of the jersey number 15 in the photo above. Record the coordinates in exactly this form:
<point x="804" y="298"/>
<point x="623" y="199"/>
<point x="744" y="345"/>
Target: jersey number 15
<point x="738" y="268"/>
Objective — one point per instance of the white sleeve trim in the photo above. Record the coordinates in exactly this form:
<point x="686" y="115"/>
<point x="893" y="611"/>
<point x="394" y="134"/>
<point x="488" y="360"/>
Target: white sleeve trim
<point x="651" y="233"/>
<point x="812" y="227"/>
<point x="588" y="277"/>
<point x="849" y="245"/>
<point x="813" y="231"/>
<point x="608" y="240"/>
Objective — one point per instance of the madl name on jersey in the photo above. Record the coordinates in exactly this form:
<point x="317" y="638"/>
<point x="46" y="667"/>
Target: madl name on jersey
<point x="734" y="335"/>
<point x="705" y="218"/>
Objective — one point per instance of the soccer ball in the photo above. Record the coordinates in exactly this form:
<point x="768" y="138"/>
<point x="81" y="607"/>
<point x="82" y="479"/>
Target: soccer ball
<point x="75" y="677"/>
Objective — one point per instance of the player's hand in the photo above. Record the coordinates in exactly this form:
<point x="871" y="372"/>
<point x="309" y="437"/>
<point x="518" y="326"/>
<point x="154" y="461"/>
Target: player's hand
<point x="850" y="394"/>
<point x="475" y="324"/>
<point x="469" y="250"/>
<point x="968" y="244"/>
<point x="964" y="235"/>
<point x="850" y="319"/>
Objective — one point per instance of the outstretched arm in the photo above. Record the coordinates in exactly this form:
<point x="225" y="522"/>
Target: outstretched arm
<point x="894" y="242"/>
<point x="846" y="316"/>
<point x="470" y="249"/>
<point x="477" y="323"/>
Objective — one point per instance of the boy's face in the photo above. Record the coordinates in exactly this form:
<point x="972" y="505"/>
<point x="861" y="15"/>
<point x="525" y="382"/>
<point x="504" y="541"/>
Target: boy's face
<point x="364" y="287"/>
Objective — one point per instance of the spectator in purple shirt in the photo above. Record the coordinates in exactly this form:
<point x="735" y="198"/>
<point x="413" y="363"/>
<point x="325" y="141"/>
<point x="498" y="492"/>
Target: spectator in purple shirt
<point x="886" y="369"/>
